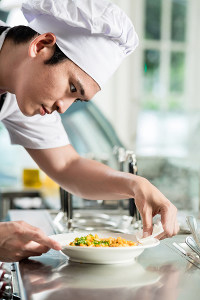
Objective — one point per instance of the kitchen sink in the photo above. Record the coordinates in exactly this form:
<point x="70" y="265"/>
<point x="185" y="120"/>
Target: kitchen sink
<point x="94" y="221"/>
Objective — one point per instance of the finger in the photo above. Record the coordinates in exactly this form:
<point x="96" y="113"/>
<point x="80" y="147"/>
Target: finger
<point x="161" y="236"/>
<point x="29" y="254"/>
<point x="168" y="220"/>
<point x="31" y="233"/>
<point x="39" y="237"/>
<point x="35" y="247"/>
<point x="45" y="240"/>
<point x="147" y="222"/>
<point x="23" y="255"/>
<point x="177" y="228"/>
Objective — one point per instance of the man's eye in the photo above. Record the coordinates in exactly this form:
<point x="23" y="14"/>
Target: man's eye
<point x="73" y="88"/>
<point x="75" y="101"/>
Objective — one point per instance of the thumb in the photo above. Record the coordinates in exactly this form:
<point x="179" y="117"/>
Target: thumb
<point x="147" y="222"/>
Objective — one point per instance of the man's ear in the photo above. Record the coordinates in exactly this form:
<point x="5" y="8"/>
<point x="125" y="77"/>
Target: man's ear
<point x="41" y="42"/>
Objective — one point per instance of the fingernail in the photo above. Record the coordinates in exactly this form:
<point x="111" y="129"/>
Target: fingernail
<point x="145" y="234"/>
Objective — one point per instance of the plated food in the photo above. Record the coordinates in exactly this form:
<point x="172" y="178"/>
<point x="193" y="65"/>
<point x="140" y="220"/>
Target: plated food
<point x="91" y="240"/>
<point x="102" y="255"/>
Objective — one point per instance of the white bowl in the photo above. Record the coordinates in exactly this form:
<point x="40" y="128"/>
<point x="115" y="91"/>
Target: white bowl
<point x="102" y="255"/>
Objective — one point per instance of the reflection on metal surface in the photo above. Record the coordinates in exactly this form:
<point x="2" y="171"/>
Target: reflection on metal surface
<point x="85" y="281"/>
<point x="107" y="276"/>
<point x="38" y="278"/>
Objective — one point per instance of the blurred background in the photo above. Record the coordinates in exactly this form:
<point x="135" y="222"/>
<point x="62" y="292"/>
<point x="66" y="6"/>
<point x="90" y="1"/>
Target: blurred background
<point x="150" y="106"/>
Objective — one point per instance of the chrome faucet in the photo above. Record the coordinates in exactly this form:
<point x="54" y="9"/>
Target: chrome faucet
<point x="132" y="165"/>
<point x="120" y="152"/>
<point x="65" y="216"/>
<point x="128" y="156"/>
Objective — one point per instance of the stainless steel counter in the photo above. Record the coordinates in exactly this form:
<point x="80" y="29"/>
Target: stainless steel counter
<point x="159" y="273"/>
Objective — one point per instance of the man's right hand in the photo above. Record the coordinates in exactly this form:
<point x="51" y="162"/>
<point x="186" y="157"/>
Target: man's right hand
<point x="19" y="240"/>
<point x="150" y="202"/>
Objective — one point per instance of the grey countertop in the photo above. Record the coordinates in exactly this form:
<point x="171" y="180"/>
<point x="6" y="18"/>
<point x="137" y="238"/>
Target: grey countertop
<point x="158" y="273"/>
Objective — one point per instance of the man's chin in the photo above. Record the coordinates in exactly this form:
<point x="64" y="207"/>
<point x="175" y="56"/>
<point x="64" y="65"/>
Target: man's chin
<point x="28" y="113"/>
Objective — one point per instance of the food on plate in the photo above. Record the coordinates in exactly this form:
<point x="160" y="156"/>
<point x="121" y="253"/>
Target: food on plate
<point x="94" y="241"/>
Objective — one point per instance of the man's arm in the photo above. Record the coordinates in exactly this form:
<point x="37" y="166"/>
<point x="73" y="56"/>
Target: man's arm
<point x="92" y="180"/>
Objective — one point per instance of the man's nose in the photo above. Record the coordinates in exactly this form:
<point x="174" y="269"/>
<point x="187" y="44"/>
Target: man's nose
<point x="63" y="105"/>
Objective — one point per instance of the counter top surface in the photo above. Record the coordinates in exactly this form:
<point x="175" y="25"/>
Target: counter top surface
<point x="158" y="273"/>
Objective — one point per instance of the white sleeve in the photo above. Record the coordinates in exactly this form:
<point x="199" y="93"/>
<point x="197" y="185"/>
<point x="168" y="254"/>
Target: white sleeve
<point x="37" y="132"/>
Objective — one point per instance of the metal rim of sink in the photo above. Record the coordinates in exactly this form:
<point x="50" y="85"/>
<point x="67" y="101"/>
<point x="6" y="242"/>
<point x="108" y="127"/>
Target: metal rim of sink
<point x="94" y="223"/>
<point x="88" y="215"/>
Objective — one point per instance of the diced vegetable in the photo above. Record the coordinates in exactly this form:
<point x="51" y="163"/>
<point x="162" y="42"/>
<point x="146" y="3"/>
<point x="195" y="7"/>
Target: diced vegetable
<point x="94" y="241"/>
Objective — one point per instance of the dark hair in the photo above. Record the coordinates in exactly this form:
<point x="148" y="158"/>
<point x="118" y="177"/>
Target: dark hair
<point x="22" y="34"/>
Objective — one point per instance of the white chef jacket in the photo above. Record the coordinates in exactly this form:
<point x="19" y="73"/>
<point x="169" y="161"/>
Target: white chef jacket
<point x="36" y="132"/>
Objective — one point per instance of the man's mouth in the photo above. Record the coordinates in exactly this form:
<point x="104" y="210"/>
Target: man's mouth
<point x="44" y="110"/>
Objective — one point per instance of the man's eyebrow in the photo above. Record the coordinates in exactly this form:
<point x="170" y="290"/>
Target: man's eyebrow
<point x="81" y="88"/>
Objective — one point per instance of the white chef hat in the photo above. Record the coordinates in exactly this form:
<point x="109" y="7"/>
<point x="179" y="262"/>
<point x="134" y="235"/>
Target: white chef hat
<point x="95" y="34"/>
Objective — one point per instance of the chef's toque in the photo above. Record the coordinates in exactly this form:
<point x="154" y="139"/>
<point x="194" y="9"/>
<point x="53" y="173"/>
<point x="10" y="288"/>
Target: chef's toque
<point x="95" y="34"/>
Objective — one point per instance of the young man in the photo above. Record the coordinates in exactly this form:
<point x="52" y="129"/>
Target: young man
<point x="66" y="54"/>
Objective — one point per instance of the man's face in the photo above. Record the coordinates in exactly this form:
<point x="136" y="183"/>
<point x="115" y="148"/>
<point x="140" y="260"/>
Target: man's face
<point x="45" y="88"/>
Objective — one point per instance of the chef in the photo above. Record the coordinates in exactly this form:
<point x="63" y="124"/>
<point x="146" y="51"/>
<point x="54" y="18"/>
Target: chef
<point x="66" y="53"/>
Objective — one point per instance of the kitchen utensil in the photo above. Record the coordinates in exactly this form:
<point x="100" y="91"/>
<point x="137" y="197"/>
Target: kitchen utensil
<point x="192" y="257"/>
<point x="189" y="254"/>
<point x="192" y="244"/>
<point x="192" y="223"/>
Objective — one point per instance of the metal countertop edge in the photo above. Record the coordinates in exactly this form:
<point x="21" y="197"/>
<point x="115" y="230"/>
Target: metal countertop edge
<point x="22" y="292"/>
